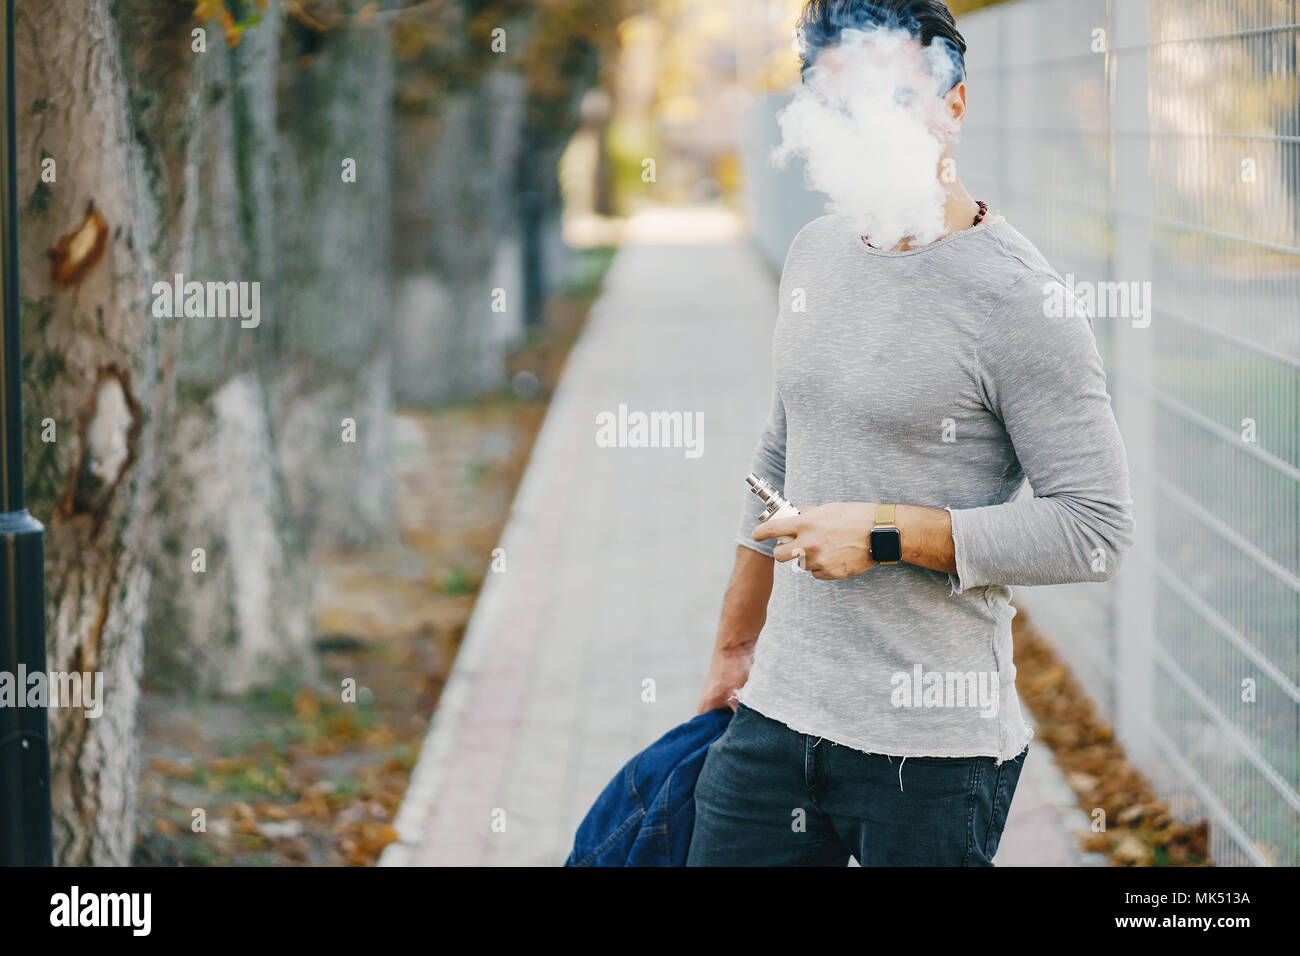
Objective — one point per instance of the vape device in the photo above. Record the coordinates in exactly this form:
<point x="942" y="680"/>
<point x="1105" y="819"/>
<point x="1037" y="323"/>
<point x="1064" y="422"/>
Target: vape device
<point x="776" y="505"/>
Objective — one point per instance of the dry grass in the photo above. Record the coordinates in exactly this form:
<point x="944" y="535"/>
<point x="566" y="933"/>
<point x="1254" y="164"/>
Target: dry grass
<point x="1139" y="830"/>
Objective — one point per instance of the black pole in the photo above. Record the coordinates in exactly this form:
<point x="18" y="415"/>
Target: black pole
<point x="25" y="829"/>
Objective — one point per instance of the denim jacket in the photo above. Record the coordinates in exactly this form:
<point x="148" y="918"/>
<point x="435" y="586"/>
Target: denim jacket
<point x="646" y="814"/>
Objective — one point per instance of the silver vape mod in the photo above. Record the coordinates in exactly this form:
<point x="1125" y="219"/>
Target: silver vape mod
<point x="776" y="505"/>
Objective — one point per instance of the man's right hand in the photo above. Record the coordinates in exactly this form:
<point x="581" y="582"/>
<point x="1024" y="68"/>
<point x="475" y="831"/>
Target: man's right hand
<point x="727" y="674"/>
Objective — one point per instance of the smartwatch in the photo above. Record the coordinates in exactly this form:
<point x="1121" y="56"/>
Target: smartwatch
<point x="886" y="542"/>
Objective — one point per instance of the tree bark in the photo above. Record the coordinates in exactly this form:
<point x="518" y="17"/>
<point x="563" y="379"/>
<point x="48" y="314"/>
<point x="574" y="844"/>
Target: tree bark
<point x="92" y="370"/>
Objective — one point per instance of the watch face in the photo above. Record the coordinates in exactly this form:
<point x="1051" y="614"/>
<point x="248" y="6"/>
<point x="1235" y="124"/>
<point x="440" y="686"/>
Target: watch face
<point x="886" y="545"/>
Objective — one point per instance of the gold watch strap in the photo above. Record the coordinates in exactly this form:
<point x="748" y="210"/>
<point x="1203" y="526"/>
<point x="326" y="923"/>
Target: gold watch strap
<point x="885" y="516"/>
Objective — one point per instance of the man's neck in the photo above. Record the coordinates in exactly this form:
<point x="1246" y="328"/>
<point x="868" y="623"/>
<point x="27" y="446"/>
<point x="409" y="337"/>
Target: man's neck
<point x="959" y="211"/>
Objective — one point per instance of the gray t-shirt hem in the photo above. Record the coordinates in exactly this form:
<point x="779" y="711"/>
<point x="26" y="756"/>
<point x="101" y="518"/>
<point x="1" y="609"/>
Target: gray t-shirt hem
<point x="802" y="725"/>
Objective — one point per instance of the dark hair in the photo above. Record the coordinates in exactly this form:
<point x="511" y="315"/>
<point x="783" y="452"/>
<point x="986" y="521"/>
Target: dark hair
<point x="822" y="22"/>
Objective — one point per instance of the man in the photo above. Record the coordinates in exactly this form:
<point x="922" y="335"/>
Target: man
<point x="917" y="391"/>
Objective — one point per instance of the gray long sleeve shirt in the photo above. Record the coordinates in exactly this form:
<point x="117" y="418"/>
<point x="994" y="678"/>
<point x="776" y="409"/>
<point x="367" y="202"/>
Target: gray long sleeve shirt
<point x="938" y="377"/>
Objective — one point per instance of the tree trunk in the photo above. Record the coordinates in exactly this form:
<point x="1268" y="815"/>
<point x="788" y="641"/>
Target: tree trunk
<point x="92" y="369"/>
<point x="232" y="598"/>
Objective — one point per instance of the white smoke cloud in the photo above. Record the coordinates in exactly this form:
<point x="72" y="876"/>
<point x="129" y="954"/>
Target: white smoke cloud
<point x="870" y="124"/>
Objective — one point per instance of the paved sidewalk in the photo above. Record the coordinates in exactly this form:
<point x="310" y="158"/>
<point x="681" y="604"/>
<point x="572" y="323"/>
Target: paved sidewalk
<point x="616" y="560"/>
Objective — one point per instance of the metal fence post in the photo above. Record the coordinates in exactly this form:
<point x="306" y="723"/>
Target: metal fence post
<point x="25" y="826"/>
<point x="1134" y="609"/>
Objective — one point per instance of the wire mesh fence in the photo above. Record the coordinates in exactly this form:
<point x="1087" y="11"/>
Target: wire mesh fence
<point x="1151" y="149"/>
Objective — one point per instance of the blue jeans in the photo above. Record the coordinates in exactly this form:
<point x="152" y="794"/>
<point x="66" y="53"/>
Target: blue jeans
<point x="770" y="796"/>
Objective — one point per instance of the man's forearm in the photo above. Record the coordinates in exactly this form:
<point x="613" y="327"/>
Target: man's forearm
<point x="744" y="608"/>
<point x="926" y="537"/>
<point x="744" y="611"/>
